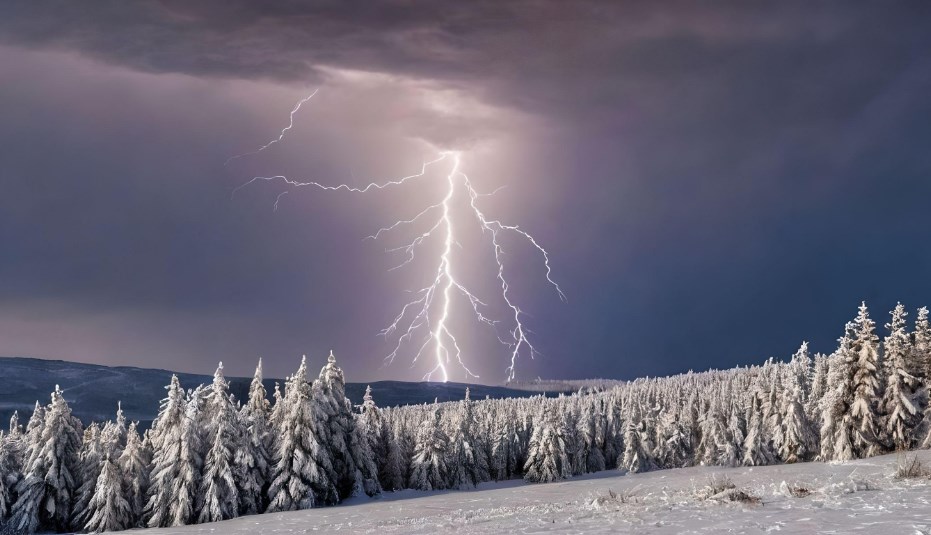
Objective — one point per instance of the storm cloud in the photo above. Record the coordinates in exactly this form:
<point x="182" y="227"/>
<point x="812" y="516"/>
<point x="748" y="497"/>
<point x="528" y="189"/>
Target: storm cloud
<point x="715" y="182"/>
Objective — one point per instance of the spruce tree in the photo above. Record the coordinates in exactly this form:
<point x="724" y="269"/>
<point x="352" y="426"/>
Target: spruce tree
<point x="134" y="469"/>
<point x="301" y="465"/>
<point x="898" y="403"/>
<point x="866" y="387"/>
<point x="467" y="466"/>
<point x="7" y="478"/>
<point x="218" y="495"/>
<point x="168" y="441"/>
<point x="90" y="460"/>
<point x="429" y="470"/>
<point x="253" y="461"/>
<point x="108" y="509"/>
<point x="547" y="456"/>
<point x="46" y="492"/>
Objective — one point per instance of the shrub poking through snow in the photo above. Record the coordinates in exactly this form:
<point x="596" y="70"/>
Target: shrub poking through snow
<point x="910" y="467"/>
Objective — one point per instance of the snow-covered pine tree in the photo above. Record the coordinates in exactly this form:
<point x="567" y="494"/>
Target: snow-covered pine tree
<point x="836" y="429"/>
<point x="467" y="465"/>
<point x="797" y="439"/>
<point x="16" y="444"/>
<point x="300" y="458"/>
<point x="772" y="409"/>
<point x="636" y="456"/>
<point x="395" y="472"/>
<point x="614" y="430"/>
<point x="755" y="451"/>
<point x="920" y="366"/>
<point x="503" y="444"/>
<point x="113" y="434"/>
<point x="33" y="436"/>
<point x="254" y="459"/>
<point x="921" y="345"/>
<point x="90" y="460"/>
<point x="352" y="468"/>
<point x="819" y="387"/>
<point x="590" y="431"/>
<point x="866" y="387"/>
<point x="46" y="492"/>
<point x="7" y="478"/>
<point x="375" y="433"/>
<point x="108" y="509"/>
<point x="429" y="470"/>
<point x="674" y="438"/>
<point x="133" y="464"/>
<point x="169" y="499"/>
<point x="547" y="458"/>
<point x="736" y="433"/>
<point x="218" y="495"/>
<point x="900" y="412"/>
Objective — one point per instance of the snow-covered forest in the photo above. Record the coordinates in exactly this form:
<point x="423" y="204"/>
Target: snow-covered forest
<point x="211" y="457"/>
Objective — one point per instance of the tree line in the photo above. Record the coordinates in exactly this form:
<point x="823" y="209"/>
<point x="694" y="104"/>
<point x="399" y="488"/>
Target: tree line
<point x="210" y="457"/>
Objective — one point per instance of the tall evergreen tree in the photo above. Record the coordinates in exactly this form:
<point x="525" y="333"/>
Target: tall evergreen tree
<point x="46" y="492"/>
<point x="133" y="464"/>
<point x="169" y="500"/>
<point x="219" y="496"/>
<point x="7" y="478"/>
<point x="547" y="455"/>
<point x="90" y="460"/>
<point x="253" y="461"/>
<point x="899" y="405"/>
<point x="467" y="466"/>
<point x="301" y="464"/>
<point x="429" y="470"/>
<point x="866" y="387"/>
<point x="108" y="509"/>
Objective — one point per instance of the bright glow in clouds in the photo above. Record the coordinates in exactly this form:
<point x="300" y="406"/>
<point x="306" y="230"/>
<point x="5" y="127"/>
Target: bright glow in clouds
<point x="422" y="327"/>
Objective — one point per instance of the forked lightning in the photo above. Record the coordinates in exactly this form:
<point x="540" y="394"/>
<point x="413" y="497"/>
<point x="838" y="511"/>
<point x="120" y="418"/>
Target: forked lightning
<point x="423" y="324"/>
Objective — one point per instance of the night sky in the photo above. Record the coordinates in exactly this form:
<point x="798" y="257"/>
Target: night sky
<point x="715" y="182"/>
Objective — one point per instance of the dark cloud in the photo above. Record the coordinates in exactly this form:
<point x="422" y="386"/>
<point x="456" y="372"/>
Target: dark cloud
<point x="715" y="182"/>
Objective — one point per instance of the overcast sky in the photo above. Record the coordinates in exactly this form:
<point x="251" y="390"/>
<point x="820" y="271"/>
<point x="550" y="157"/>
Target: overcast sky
<point x="715" y="183"/>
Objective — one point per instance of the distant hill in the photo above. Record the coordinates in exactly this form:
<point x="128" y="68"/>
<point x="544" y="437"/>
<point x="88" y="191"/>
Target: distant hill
<point x="93" y="391"/>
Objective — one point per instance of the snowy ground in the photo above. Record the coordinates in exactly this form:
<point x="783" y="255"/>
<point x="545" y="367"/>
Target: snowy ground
<point x="855" y="497"/>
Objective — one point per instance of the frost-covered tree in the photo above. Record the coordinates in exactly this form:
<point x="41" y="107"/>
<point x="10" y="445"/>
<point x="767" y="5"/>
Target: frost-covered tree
<point x="636" y="456"/>
<point x="505" y="445"/>
<point x="108" y="509"/>
<point x="819" y="387"/>
<point x="797" y="439"/>
<point x="547" y="455"/>
<point x="7" y="478"/>
<point x="133" y="465"/>
<point x="429" y="470"/>
<point x="899" y="405"/>
<point x="467" y="465"/>
<point x="90" y="460"/>
<point x="219" y="496"/>
<point x="866" y="386"/>
<point x="755" y="450"/>
<point x="253" y="459"/>
<point x="376" y="434"/>
<point x="395" y="472"/>
<point x="175" y="467"/>
<point x="590" y="432"/>
<point x="351" y="468"/>
<point x="47" y="490"/>
<point x="301" y="463"/>
<point x="674" y="438"/>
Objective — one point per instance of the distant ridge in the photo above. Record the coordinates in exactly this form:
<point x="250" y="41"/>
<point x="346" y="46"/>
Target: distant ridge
<point x="93" y="390"/>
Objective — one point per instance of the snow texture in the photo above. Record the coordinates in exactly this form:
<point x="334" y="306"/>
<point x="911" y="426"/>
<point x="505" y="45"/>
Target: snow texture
<point x="862" y="496"/>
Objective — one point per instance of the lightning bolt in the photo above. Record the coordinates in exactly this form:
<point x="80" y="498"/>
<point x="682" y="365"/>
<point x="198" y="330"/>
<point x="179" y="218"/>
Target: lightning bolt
<point x="423" y="323"/>
<point x="297" y="108"/>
